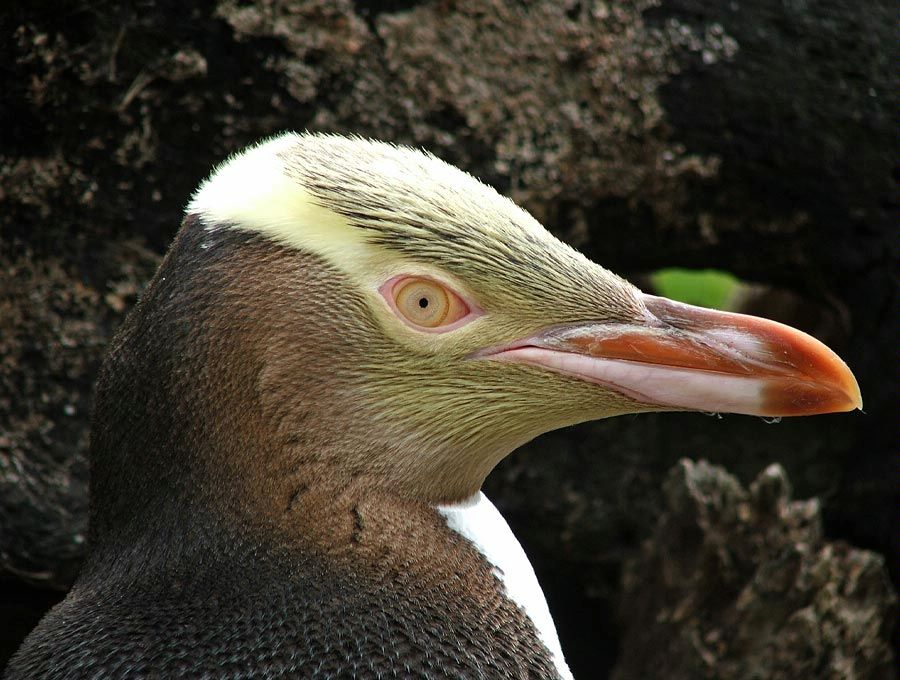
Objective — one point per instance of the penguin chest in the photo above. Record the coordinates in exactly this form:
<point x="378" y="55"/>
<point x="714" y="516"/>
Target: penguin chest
<point x="482" y="525"/>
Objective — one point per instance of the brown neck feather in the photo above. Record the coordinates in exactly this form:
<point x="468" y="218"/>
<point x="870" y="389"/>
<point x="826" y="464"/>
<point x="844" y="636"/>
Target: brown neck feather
<point x="231" y="387"/>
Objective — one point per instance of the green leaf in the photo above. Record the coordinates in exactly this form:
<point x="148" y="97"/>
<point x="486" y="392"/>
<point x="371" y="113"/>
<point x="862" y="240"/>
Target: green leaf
<point x="704" y="287"/>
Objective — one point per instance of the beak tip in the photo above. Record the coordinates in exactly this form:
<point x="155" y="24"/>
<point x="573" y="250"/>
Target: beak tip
<point x="847" y="385"/>
<point x="833" y="391"/>
<point x="855" y="397"/>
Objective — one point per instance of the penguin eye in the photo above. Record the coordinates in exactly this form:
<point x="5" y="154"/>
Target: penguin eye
<point x="425" y="304"/>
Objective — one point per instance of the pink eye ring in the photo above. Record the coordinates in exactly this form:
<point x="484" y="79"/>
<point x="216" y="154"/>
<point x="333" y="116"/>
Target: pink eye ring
<point x="426" y="305"/>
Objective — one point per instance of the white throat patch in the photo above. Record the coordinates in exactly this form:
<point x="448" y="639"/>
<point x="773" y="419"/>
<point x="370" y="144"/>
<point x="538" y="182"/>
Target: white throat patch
<point x="479" y="522"/>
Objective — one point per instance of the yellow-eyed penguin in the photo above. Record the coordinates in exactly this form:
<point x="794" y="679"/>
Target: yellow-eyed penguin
<point x="293" y="424"/>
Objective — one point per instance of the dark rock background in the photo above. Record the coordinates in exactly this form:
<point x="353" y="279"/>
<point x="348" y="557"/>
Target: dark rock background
<point x="758" y="138"/>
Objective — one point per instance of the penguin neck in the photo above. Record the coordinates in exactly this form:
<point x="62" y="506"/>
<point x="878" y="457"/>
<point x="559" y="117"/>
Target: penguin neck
<point x="203" y="405"/>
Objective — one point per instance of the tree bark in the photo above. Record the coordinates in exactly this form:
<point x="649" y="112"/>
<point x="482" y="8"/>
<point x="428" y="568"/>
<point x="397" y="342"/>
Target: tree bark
<point x="752" y="137"/>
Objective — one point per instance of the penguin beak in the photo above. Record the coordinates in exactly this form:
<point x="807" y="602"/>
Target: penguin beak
<point x="684" y="357"/>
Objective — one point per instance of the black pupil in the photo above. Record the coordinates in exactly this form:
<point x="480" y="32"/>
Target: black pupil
<point x="423" y="302"/>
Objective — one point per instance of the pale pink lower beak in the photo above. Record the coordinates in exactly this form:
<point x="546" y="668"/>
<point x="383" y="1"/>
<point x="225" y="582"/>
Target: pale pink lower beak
<point x="685" y="357"/>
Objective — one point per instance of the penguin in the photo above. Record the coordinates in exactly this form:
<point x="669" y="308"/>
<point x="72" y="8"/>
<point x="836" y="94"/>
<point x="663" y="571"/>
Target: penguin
<point x="293" y="425"/>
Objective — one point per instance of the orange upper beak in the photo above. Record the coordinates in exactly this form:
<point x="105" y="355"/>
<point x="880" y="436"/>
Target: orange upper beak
<point x="685" y="357"/>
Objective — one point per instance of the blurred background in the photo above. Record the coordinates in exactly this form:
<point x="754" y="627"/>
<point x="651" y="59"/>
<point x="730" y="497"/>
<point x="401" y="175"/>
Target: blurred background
<point x="733" y="154"/>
